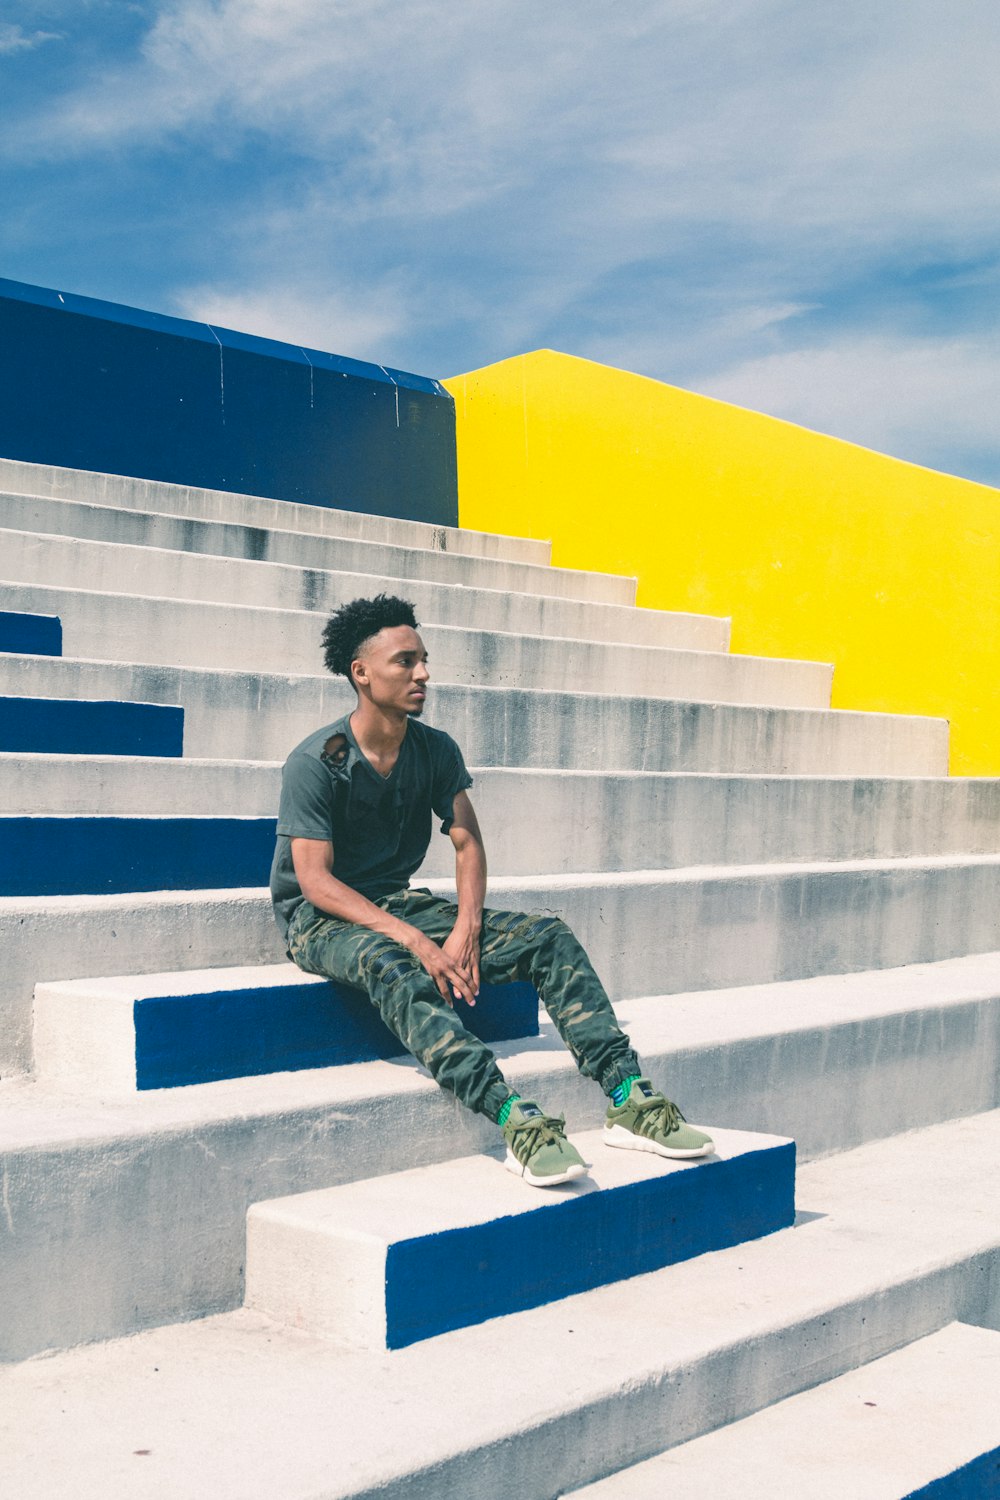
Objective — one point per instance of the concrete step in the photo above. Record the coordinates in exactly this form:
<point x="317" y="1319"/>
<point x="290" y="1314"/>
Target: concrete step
<point x="181" y="632"/>
<point x="129" y="1033"/>
<point x="352" y="554"/>
<point x="386" y="1263"/>
<point x="142" y="1199"/>
<point x="556" y="822"/>
<point x="72" y="562"/>
<point x="121" y="492"/>
<point x="38" y="635"/>
<point x="646" y="932"/>
<point x="254" y="716"/>
<point x="922" y="1421"/>
<point x="78" y="726"/>
<point x="892" y="1243"/>
<point x="62" y="784"/>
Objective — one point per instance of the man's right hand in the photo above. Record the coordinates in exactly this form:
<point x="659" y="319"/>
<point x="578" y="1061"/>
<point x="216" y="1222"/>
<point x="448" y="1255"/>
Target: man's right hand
<point x="452" y="980"/>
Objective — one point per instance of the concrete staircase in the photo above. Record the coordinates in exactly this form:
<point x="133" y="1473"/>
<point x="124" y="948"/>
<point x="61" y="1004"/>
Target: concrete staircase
<point x="795" y="912"/>
<point x="875" y="1432"/>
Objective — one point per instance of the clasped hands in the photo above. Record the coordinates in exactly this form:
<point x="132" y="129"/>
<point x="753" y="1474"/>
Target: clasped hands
<point x="453" y="965"/>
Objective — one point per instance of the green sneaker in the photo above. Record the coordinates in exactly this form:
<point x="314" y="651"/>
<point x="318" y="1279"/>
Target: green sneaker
<point x="649" y="1122"/>
<point x="537" y="1148"/>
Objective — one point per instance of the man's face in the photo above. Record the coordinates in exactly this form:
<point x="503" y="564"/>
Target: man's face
<point x="391" y="669"/>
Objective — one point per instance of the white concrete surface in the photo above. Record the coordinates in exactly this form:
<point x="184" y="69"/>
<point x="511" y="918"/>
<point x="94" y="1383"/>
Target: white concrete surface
<point x="572" y="821"/>
<point x="911" y="1045"/>
<point x="59" y="937"/>
<point x="253" y="716"/>
<point x="321" y="1261"/>
<point x="116" y="785"/>
<point x="84" y="1029"/>
<point x="834" y="1061"/>
<point x="352" y="554"/>
<point x="894" y="1241"/>
<point x="179" y="632"/>
<point x="142" y="1199"/>
<point x="121" y="491"/>
<point x="646" y="932"/>
<point x="877" y="1433"/>
<point x="74" y="562"/>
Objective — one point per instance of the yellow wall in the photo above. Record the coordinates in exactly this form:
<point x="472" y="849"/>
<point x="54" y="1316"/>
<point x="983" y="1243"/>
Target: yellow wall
<point x="814" y="547"/>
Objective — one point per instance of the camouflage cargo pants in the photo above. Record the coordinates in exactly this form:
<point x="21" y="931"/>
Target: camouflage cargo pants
<point x="514" y="945"/>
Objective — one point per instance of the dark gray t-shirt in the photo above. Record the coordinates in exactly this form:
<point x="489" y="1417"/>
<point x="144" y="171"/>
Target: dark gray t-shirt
<point x="380" y="826"/>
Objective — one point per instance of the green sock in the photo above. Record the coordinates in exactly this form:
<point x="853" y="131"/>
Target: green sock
<point x="505" y="1109"/>
<point x="623" y="1089"/>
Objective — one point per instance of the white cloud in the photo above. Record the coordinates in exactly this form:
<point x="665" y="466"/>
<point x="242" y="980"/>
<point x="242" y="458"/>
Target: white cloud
<point x="748" y="320"/>
<point x="16" y="39"/>
<point x="758" y="113"/>
<point x="599" y="133"/>
<point x="358" y="324"/>
<point x="917" y="396"/>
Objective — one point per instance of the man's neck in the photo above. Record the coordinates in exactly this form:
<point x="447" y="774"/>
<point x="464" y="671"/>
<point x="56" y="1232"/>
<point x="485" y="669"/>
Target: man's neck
<point x="379" y="734"/>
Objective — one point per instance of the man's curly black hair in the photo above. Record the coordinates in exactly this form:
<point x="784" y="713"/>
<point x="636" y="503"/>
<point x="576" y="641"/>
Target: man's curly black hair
<point x="349" y="627"/>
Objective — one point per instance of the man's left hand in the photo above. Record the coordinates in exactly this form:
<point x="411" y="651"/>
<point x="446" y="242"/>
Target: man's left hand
<point x="463" y="947"/>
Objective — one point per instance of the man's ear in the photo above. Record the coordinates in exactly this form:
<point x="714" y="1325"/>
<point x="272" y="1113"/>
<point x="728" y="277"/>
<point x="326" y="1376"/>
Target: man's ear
<point x="359" y="672"/>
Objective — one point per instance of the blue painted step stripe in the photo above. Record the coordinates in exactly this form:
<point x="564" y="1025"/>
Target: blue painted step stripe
<point x="72" y="726"/>
<point x="975" y="1480"/>
<point x="185" y="1039"/>
<point x="31" y="635"/>
<point x="84" y="856"/>
<point x="463" y="1276"/>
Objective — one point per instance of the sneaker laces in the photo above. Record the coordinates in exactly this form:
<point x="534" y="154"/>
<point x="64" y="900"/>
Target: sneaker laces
<point x="657" y="1114"/>
<point x="539" y="1130"/>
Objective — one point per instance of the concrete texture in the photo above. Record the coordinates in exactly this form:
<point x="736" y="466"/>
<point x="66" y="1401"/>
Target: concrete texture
<point x="572" y="821"/>
<point x="72" y="562"/>
<point x="62" y="937"/>
<point x="142" y="1200"/>
<point x="917" y="1415"/>
<point x="253" y="716"/>
<point x="178" y="632"/>
<point x="353" y="554"/>
<point x="85" y="1031"/>
<point x="127" y="784"/>
<point x="385" y="1263"/>
<point x="123" y="492"/>
<point x="646" y="932"/>
<point x="893" y="1242"/>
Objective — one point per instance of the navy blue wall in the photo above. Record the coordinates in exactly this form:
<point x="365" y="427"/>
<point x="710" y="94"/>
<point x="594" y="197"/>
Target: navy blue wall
<point x="71" y="726"/>
<point x="241" y="1033"/>
<point x="91" y="385"/>
<point x="30" y="635"/>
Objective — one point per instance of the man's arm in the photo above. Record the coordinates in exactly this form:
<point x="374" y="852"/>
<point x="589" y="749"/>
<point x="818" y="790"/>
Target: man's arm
<point x="313" y="862"/>
<point x="462" y="942"/>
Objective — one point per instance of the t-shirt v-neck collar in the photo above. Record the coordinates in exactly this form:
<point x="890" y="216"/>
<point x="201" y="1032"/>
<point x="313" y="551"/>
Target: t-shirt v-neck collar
<point x="382" y="780"/>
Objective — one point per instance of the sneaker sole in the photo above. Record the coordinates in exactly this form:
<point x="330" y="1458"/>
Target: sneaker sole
<point x="626" y="1140"/>
<point x="512" y="1164"/>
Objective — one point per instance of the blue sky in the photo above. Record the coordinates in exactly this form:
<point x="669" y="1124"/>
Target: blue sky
<point x="788" y="204"/>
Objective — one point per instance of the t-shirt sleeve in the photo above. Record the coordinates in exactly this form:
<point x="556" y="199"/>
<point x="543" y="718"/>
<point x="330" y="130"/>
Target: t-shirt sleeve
<point x="450" y="778"/>
<point x="307" y="798"/>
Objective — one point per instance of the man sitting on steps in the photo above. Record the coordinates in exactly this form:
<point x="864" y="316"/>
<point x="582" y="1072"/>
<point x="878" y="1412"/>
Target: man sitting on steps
<point x="354" y="824"/>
